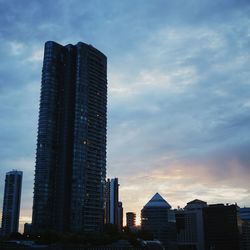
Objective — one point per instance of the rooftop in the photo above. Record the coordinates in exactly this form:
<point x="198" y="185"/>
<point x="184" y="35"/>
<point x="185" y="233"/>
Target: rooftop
<point x="196" y="201"/>
<point x="157" y="201"/>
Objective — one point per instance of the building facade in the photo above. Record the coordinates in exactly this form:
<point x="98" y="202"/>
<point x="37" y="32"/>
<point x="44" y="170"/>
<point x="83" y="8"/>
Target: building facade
<point x="245" y="236"/>
<point x="244" y="213"/>
<point x="70" y="166"/>
<point x="11" y="202"/>
<point x="220" y="227"/>
<point x="27" y="228"/>
<point x="120" y="216"/>
<point x="244" y="216"/>
<point x="130" y="219"/>
<point x="112" y="199"/>
<point x="189" y="226"/>
<point x="158" y="219"/>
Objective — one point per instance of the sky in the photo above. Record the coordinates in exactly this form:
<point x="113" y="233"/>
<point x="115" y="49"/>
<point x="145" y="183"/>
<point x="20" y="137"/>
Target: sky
<point x="178" y="93"/>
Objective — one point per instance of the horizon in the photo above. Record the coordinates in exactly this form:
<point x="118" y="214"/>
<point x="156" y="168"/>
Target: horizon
<point x="178" y="94"/>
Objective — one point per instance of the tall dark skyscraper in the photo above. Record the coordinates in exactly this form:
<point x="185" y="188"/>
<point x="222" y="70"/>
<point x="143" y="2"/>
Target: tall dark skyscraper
<point x="71" y="144"/>
<point x="11" y="202"/>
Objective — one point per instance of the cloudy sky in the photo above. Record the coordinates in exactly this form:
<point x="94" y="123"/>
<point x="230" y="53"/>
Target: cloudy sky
<point x="178" y="93"/>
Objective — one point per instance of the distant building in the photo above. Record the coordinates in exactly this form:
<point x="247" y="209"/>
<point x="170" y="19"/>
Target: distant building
<point x="203" y="227"/>
<point x="113" y="208"/>
<point x="70" y="169"/>
<point x="158" y="218"/>
<point x="220" y="227"/>
<point x="189" y="226"/>
<point x="112" y="198"/>
<point x="131" y="219"/>
<point x="120" y="216"/>
<point x="11" y="202"/>
<point x="27" y="228"/>
<point x="244" y="214"/>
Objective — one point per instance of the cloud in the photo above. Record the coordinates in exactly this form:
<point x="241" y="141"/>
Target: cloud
<point x="36" y="56"/>
<point x="16" y="48"/>
<point x="180" y="181"/>
<point x="178" y="100"/>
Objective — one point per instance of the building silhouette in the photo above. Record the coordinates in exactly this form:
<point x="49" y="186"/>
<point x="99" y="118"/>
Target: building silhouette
<point x="244" y="226"/>
<point x="189" y="226"/>
<point x="245" y="235"/>
<point x="27" y="228"/>
<point x="113" y="207"/>
<point x="220" y="227"/>
<point x="120" y="216"/>
<point x="158" y="219"/>
<point x="70" y="166"/>
<point x="130" y="219"/>
<point x="11" y="202"/>
<point x="112" y="199"/>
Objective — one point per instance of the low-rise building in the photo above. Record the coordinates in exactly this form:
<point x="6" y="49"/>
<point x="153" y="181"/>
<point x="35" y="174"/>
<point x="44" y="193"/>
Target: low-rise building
<point x="220" y="227"/>
<point x="131" y="220"/>
<point x="189" y="225"/>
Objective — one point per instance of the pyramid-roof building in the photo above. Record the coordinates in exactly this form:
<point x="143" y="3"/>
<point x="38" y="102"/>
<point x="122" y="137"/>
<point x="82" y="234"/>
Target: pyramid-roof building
<point x="157" y="201"/>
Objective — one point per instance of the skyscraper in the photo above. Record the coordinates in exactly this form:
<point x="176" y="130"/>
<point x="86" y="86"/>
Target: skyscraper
<point x="71" y="144"/>
<point x="11" y="202"/>
<point x="112" y="199"/>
